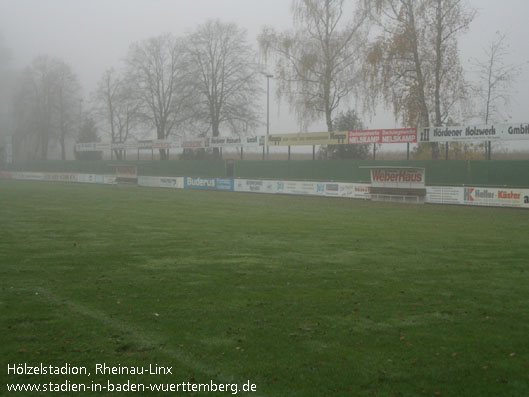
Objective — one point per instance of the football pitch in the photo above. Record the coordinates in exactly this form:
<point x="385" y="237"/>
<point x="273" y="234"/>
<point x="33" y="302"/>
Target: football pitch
<point x="293" y="295"/>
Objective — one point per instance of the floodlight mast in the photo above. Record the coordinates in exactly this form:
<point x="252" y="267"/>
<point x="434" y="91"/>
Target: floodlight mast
<point x="268" y="77"/>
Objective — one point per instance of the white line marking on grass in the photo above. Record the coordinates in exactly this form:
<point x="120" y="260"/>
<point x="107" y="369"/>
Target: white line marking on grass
<point x="141" y="337"/>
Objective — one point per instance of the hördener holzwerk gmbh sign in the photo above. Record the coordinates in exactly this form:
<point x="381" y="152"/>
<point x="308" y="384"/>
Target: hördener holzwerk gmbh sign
<point x="492" y="132"/>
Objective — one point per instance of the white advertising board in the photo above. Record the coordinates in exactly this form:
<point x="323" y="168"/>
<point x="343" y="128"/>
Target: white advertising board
<point x="109" y="179"/>
<point x="444" y="195"/>
<point x="255" y="186"/>
<point x="86" y="178"/>
<point x="149" y="181"/>
<point x="492" y="132"/>
<point x="60" y="177"/>
<point x="354" y="190"/>
<point x="28" y="176"/>
<point x="161" y="181"/>
<point x="494" y="197"/>
<point x="497" y="197"/>
<point x="238" y="141"/>
<point x="301" y="188"/>
<point x="171" y="182"/>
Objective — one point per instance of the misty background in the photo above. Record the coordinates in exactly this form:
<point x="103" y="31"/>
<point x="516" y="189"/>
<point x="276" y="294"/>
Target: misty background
<point x="93" y="36"/>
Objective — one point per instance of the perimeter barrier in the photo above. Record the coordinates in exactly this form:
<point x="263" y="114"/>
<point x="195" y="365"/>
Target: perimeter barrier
<point x="502" y="173"/>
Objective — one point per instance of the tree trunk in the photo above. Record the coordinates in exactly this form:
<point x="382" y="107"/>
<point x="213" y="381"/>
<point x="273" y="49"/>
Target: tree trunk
<point x="424" y="118"/>
<point x="215" y="131"/>
<point x="63" y="148"/>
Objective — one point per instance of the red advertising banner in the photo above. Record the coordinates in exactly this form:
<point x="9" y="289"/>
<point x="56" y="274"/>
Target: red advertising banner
<point x="401" y="135"/>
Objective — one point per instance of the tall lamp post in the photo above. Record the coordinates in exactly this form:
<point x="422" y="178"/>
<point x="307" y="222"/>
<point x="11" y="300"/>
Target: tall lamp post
<point x="268" y="77"/>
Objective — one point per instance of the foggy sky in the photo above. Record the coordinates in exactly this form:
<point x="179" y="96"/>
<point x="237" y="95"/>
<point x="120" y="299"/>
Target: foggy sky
<point x="93" y="35"/>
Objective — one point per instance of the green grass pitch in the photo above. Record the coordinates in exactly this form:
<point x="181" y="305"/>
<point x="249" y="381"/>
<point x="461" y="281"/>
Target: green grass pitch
<point x="301" y="296"/>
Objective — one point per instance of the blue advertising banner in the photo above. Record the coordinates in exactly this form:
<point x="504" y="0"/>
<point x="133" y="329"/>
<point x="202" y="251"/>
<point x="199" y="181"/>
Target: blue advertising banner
<point x="200" y="183"/>
<point x="209" y="184"/>
<point x="225" y="184"/>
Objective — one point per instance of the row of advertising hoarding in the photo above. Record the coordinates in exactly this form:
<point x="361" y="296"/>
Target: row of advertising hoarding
<point x="300" y="139"/>
<point x="472" y="196"/>
<point x="155" y="144"/>
<point x="491" y="132"/>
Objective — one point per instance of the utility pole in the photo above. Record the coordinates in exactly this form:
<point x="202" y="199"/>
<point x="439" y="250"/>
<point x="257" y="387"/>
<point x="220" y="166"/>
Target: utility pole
<point x="268" y="77"/>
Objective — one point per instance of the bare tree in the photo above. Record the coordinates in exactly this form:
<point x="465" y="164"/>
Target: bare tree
<point x="68" y="91"/>
<point x="116" y="107"/>
<point x="45" y="105"/>
<point x="6" y="79"/>
<point x="495" y="78"/>
<point x="5" y="60"/>
<point x="159" y="72"/>
<point x="318" y="64"/>
<point x="414" y="63"/>
<point x="224" y="76"/>
<point x="88" y="133"/>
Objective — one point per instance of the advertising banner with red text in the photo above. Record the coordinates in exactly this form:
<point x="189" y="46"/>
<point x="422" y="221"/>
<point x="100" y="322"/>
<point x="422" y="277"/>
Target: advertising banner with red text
<point x="401" y="135"/>
<point x="413" y="178"/>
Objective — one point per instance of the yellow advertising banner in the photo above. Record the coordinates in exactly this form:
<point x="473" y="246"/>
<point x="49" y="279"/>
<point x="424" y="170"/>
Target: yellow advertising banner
<point x="308" y="138"/>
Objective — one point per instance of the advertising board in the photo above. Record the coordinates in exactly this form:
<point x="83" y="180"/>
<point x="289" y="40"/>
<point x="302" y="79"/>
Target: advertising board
<point x="444" y="195"/>
<point x="86" y="178"/>
<point x="192" y="143"/>
<point x="160" y="181"/>
<point x="401" y="135"/>
<point x="304" y="139"/>
<point x="494" y="197"/>
<point x="173" y="183"/>
<point x="497" y="197"/>
<point x="224" y="184"/>
<point x="60" y="177"/>
<point x="238" y="141"/>
<point x="209" y="183"/>
<point x="398" y="177"/>
<point x="301" y="188"/>
<point x="109" y="179"/>
<point x="149" y="181"/>
<point x="491" y="132"/>
<point x="255" y="186"/>
<point x="86" y="147"/>
<point x="199" y="183"/>
<point x="28" y="176"/>
<point x="354" y="190"/>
